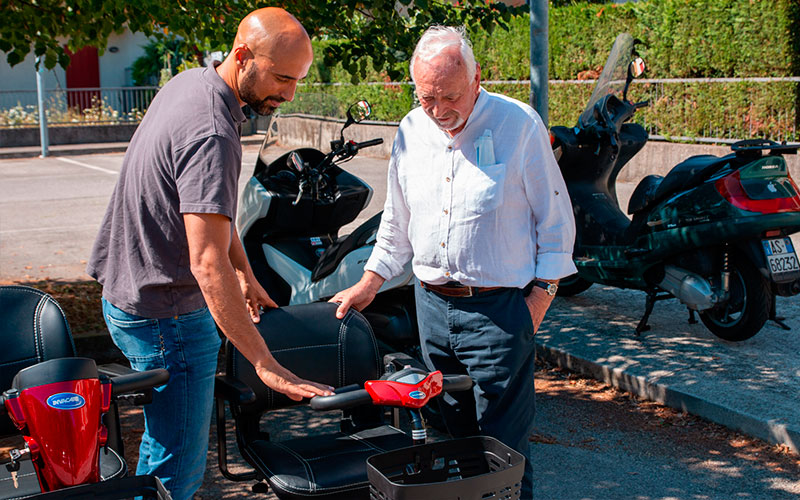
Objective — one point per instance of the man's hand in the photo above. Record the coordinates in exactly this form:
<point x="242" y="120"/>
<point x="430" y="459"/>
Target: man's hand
<point x="255" y="296"/>
<point x="359" y="295"/>
<point x="209" y="241"/>
<point x="280" y="379"/>
<point x="538" y="301"/>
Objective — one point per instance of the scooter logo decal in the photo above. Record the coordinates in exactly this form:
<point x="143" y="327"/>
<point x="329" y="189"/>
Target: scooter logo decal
<point x="66" y="401"/>
<point x="417" y="395"/>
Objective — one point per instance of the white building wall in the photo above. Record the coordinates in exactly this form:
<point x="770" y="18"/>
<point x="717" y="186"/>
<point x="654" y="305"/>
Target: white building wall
<point x="113" y="66"/>
<point x="23" y="75"/>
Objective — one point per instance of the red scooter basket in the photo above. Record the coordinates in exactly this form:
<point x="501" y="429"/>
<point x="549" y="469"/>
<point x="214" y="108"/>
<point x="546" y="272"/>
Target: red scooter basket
<point x="471" y="468"/>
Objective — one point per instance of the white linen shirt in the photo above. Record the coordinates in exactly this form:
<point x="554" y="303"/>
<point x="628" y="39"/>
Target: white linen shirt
<point x="498" y="225"/>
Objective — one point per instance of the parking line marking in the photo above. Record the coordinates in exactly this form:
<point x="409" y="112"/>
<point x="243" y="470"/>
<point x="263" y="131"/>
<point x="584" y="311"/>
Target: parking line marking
<point x="49" y="229"/>
<point x="86" y="165"/>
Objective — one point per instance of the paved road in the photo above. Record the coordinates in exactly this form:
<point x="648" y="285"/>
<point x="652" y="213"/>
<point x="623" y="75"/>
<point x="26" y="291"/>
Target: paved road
<point x="50" y="210"/>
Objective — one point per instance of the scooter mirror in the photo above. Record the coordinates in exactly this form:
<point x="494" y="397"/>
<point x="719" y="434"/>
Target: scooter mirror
<point x="296" y="161"/>
<point x="359" y="111"/>
<point x="637" y="67"/>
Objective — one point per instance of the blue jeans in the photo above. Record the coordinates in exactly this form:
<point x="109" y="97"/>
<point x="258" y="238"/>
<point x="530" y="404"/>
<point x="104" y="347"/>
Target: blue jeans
<point x="176" y="423"/>
<point x="489" y="337"/>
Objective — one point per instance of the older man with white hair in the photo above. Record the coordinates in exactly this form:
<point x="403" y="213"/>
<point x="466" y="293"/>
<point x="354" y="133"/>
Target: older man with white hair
<point x="476" y="201"/>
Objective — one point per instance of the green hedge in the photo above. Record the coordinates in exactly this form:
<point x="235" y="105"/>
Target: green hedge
<point x="725" y="110"/>
<point x="681" y="39"/>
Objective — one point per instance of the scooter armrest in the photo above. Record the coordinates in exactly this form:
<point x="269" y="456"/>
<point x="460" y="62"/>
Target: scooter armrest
<point x="233" y="390"/>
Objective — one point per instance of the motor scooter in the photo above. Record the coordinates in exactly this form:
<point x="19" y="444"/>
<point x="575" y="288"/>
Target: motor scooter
<point x="366" y="457"/>
<point x="712" y="233"/>
<point x="65" y="408"/>
<point x="289" y="218"/>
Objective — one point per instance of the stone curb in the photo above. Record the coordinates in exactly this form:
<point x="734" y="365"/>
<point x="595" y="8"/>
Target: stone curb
<point x="736" y="420"/>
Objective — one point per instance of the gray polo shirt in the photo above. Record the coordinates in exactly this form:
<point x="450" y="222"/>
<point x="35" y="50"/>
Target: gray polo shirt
<point x="185" y="157"/>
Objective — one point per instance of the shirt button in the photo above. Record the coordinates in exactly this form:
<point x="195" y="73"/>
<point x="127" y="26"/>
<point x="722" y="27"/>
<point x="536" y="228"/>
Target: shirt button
<point x="446" y="212"/>
<point x="449" y="148"/>
<point x="443" y="245"/>
<point x="447" y="274"/>
<point x="447" y="179"/>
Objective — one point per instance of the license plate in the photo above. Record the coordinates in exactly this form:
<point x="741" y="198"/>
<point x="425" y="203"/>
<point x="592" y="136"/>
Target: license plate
<point x="781" y="257"/>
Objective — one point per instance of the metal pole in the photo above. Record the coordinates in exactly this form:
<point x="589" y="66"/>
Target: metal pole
<point x="539" y="57"/>
<point x="45" y="139"/>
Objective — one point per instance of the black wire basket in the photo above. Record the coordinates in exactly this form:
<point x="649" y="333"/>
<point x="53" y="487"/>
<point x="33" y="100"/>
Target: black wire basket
<point x="474" y="468"/>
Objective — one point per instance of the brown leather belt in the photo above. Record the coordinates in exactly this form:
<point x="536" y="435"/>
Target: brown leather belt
<point x="457" y="289"/>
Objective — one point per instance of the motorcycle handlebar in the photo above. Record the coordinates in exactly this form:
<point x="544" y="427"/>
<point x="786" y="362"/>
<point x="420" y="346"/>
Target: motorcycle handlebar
<point x="640" y="105"/>
<point x="369" y="143"/>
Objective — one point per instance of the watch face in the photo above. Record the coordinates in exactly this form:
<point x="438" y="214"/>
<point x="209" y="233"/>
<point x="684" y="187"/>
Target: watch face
<point x="552" y="288"/>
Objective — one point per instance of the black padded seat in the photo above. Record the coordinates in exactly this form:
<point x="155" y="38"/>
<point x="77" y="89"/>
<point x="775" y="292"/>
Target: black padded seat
<point x="333" y="466"/>
<point x="644" y="194"/>
<point x="312" y="343"/>
<point x="689" y="173"/>
<point x="336" y="252"/>
<point x="34" y="329"/>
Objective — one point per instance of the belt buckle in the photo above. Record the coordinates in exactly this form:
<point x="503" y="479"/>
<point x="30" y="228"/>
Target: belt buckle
<point x="470" y="293"/>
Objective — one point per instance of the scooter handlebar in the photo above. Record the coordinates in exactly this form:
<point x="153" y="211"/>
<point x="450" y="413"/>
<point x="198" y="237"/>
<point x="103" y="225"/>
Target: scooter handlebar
<point x="138" y="381"/>
<point x="343" y="398"/>
<point x="352" y="395"/>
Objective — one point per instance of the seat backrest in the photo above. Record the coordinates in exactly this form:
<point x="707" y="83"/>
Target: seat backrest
<point x="311" y="342"/>
<point x="34" y="329"/>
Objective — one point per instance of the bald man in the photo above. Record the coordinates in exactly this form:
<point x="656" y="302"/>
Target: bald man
<point x="168" y="255"/>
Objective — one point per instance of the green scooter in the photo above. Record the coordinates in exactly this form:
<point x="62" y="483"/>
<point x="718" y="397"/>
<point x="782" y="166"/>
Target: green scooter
<point x="713" y="232"/>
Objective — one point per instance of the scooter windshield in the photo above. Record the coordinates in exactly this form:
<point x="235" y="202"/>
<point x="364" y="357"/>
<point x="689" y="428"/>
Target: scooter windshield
<point x="612" y="79"/>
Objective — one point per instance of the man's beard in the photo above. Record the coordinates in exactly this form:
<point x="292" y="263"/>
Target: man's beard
<point x="247" y="94"/>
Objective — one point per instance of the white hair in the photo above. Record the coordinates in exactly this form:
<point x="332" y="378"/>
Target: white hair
<point x="438" y="38"/>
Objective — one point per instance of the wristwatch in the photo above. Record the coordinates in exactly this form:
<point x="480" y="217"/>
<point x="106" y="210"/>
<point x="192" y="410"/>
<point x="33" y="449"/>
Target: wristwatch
<point x="550" y="288"/>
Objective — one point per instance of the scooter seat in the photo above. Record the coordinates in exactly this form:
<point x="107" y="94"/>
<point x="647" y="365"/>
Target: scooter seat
<point x="689" y="173"/>
<point x="336" y="252"/>
<point x="331" y="466"/>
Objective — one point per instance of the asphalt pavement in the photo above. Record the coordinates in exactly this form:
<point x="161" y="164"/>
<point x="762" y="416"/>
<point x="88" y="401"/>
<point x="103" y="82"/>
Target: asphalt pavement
<point x="50" y="210"/>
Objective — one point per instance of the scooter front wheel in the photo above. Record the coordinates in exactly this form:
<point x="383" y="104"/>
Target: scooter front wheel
<point x="748" y="306"/>
<point x="572" y="285"/>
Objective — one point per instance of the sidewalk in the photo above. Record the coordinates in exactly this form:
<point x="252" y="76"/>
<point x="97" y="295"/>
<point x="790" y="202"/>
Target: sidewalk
<point x="8" y="153"/>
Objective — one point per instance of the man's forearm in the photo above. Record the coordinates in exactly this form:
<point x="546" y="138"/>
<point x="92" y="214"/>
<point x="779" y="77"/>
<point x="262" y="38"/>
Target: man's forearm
<point x="220" y="289"/>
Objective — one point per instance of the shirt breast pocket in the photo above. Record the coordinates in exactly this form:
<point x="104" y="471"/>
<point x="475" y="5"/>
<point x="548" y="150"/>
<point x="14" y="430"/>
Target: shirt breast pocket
<point x="483" y="188"/>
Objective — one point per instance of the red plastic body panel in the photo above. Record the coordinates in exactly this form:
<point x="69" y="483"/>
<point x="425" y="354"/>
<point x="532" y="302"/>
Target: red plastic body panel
<point x="62" y="427"/>
<point x="392" y="393"/>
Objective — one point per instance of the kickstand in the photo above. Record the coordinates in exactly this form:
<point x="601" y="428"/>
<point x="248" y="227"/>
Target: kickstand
<point x="648" y="308"/>
<point x="692" y="319"/>
<point x="773" y="315"/>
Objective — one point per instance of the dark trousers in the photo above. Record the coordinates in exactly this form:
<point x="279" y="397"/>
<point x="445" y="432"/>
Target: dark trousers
<point x="488" y="336"/>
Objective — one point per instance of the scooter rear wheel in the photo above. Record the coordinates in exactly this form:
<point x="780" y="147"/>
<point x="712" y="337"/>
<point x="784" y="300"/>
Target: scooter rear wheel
<point x="747" y="309"/>
<point x="572" y="285"/>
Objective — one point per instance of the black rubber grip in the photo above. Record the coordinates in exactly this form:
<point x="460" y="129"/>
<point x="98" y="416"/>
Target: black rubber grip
<point x="139" y="381"/>
<point x="369" y="143"/>
<point x="456" y="383"/>
<point x="346" y="397"/>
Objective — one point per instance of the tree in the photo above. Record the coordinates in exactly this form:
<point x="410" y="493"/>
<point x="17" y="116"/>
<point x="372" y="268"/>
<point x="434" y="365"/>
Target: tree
<point x="385" y="30"/>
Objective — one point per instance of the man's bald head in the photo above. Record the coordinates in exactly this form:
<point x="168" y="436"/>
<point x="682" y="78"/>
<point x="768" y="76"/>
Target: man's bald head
<point x="270" y="55"/>
<point x="269" y="29"/>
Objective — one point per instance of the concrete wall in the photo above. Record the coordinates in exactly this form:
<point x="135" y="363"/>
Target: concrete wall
<point x="655" y="158"/>
<point x="17" y="137"/>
